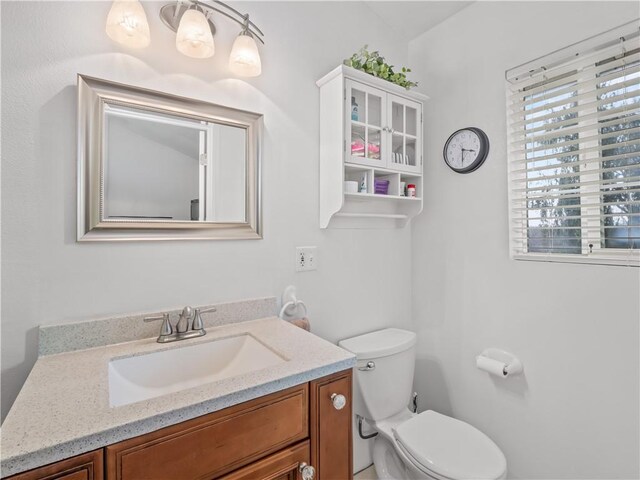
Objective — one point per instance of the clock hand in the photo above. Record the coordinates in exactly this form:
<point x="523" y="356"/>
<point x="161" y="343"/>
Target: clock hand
<point x="468" y="150"/>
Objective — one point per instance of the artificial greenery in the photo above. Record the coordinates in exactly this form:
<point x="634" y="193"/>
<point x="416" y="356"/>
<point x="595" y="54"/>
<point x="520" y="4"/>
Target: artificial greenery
<point x="373" y="64"/>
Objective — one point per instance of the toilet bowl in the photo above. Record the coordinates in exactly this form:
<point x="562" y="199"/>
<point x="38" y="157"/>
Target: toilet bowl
<point x="428" y="445"/>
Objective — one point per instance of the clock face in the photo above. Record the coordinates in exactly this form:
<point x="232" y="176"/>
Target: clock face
<point x="466" y="150"/>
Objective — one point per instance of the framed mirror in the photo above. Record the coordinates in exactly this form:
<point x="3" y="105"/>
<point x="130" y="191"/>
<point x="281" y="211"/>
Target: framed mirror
<point x="154" y="166"/>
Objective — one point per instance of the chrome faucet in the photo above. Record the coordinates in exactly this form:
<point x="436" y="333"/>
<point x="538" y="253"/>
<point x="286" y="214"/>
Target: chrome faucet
<point x="183" y="322"/>
<point x="189" y="325"/>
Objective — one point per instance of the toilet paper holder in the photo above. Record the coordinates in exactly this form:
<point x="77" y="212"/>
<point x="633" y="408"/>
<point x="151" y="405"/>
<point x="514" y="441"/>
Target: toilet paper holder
<point x="499" y="362"/>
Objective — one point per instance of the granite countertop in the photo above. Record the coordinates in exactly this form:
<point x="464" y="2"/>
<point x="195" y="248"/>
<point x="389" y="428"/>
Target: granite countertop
<point x="63" y="409"/>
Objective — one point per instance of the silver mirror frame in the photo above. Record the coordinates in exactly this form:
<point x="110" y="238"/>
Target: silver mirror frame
<point x="93" y="95"/>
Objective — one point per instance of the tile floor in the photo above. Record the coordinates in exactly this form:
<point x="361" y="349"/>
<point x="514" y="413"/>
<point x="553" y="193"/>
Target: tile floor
<point x="366" y="474"/>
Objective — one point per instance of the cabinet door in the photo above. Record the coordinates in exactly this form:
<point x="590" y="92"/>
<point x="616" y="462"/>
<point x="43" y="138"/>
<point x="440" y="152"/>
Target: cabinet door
<point x="88" y="466"/>
<point x="284" y="465"/>
<point x="405" y="124"/>
<point x="366" y="111"/>
<point x="331" y="437"/>
<point x="214" y="444"/>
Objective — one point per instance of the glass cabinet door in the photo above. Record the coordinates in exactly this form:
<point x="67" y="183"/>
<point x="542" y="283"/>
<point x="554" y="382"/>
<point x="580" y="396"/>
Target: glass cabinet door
<point x="405" y="130"/>
<point x="366" y="117"/>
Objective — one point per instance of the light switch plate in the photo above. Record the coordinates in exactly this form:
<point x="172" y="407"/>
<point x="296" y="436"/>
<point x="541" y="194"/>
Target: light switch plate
<point x="306" y="259"/>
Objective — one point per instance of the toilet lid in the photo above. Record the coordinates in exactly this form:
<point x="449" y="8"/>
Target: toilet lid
<point x="450" y="448"/>
<point x="380" y="343"/>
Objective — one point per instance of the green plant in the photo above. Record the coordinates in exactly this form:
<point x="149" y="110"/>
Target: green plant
<point x="373" y="64"/>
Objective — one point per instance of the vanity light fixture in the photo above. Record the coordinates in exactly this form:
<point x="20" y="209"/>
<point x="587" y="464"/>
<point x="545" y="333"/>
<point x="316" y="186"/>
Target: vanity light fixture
<point x="194" y="38"/>
<point x="127" y="24"/>
<point x="244" y="59"/>
<point x="192" y="22"/>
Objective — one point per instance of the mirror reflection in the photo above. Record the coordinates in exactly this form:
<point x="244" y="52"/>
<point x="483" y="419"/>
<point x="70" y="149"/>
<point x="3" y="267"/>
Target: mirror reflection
<point x="168" y="168"/>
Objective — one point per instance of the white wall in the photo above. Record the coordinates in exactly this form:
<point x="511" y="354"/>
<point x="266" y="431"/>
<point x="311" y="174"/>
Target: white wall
<point x="49" y="278"/>
<point x="574" y="414"/>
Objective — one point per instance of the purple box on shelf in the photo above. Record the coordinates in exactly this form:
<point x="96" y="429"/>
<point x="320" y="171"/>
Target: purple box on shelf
<point x="381" y="187"/>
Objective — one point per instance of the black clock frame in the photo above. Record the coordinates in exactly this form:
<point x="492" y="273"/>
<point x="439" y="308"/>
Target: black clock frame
<point x="482" y="155"/>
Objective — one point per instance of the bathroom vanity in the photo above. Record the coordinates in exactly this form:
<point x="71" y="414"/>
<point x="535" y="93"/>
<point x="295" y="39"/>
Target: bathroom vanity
<point x="297" y="433"/>
<point x="288" y="419"/>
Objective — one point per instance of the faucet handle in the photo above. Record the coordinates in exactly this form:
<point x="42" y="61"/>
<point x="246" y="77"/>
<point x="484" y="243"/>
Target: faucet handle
<point x="197" y="319"/>
<point x="166" y="328"/>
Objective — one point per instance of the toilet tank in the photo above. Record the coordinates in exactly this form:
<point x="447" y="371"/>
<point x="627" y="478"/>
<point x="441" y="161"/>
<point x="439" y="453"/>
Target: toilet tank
<point x="385" y="388"/>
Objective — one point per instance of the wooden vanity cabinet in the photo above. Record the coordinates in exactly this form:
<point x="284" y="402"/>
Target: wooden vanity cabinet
<point x="331" y="432"/>
<point x="88" y="466"/>
<point x="284" y="465"/>
<point x="268" y="438"/>
<point x="215" y="444"/>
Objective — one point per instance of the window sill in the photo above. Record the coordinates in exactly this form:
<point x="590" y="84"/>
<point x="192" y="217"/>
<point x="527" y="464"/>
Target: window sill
<point x="620" y="260"/>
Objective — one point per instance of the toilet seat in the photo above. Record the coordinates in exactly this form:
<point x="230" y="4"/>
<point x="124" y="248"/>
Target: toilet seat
<point x="446" y="448"/>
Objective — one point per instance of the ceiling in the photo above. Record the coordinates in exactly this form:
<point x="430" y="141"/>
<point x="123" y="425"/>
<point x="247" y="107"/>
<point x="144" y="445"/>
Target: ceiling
<point x="410" y="19"/>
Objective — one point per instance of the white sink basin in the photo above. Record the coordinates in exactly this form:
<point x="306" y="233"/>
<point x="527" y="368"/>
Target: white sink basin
<point x="142" y="377"/>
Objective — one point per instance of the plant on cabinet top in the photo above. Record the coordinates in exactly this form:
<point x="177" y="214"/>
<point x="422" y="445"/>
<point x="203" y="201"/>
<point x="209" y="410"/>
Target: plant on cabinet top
<point x="374" y="64"/>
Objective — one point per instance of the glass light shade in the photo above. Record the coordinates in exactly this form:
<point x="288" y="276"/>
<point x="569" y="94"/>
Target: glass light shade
<point x="194" y="37"/>
<point x="245" y="59"/>
<point x="127" y="24"/>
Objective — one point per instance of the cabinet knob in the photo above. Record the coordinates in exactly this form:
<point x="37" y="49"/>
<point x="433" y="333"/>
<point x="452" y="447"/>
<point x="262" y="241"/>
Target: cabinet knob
<point x="307" y="471"/>
<point x="339" y="401"/>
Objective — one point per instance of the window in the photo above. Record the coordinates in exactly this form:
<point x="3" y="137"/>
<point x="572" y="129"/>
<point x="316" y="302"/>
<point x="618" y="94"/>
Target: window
<point x="574" y="152"/>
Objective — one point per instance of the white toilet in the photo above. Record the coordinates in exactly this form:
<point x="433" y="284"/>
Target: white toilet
<point x="409" y="445"/>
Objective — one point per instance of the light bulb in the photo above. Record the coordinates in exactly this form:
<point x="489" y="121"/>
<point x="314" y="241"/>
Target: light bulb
<point x="194" y="37"/>
<point x="245" y="59"/>
<point x="127" y="24"/>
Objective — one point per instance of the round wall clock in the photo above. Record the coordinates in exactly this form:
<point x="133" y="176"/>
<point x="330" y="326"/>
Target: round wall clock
<point x="466" y="149"/>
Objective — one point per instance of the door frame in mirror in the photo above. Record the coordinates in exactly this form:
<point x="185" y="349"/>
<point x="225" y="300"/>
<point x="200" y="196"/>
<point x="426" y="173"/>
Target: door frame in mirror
<point x="93" y="95"/>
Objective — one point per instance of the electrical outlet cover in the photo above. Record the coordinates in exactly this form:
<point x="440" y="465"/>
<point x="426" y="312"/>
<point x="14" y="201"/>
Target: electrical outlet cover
<point x="306" y="259"/>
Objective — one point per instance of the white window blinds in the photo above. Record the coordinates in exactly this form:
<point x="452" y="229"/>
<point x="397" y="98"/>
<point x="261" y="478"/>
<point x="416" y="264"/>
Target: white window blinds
<point x="574" y="152"/>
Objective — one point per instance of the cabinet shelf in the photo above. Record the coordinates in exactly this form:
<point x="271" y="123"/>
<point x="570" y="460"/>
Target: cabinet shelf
<point x="348" y="166"/>
<point x="372" y="215"/>
<point x="379" y="196"/>
<point x="400" y="134"/>
<point x="365" y="125"/>
<point x="387" y="149"/>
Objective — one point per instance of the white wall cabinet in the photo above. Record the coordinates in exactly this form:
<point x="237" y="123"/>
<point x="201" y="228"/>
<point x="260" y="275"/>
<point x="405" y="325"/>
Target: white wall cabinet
<point x="370" y="129"/>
